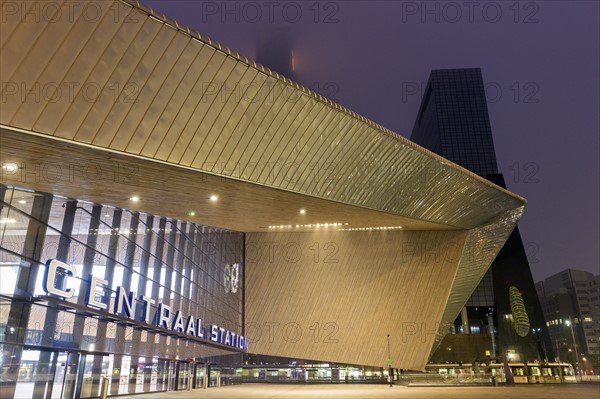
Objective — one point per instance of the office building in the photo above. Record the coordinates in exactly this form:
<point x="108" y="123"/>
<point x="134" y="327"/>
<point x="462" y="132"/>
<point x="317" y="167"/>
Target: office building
<point x="572" y="311"/>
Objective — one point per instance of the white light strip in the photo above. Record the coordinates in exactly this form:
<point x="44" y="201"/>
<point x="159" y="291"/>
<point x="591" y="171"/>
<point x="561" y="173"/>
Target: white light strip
<point x="124" y="232"/>
<point x="296" y="226"/>
<point x="372" y="228"/>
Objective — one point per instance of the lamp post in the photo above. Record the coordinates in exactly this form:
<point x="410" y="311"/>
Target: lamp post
<point x="557" y="359"/>
<point x="390" y="376"/>
<point x="541" y="344"/>
<point x="570" y="324"/>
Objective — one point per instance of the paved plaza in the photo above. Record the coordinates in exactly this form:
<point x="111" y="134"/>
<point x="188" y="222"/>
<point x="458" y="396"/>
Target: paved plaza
<point x="298" y="391"/>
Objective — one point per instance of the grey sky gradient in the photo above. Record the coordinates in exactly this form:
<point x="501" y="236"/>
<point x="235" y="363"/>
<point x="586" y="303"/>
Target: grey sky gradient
<point x="540" y="62"/>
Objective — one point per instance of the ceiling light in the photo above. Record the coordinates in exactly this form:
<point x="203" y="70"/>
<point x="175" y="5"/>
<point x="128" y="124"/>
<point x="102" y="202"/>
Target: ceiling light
<point x="22" y="202"/>
<point x="302" y="211"/>
<point x="134" y="199"/>
<point x="192" y="213"/>
<point x="6" y="220"/>
<point x="214" y="198"/>
<point x="10" y="167"/>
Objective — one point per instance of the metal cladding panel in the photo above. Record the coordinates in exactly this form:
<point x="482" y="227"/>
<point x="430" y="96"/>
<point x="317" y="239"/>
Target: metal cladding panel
<point x="241" y="146"/>
<point x="245" y="110"/>
<point x="164" y="79"/>
<point x="152" y="74"/>
<point x="177" y="115"/>
<point x="335" y="296"/>
<point x="308" y="178"/>
<point x="222" y="127"/>
<point x="482" y="245"/>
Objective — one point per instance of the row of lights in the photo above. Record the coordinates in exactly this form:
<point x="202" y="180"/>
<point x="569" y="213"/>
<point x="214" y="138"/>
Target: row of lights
<point x="11" y="167"/>
<point x="303" y="211"/>
<point x="289" y="226"/>
<point x="212" y="198"/>
<point x="128" y="230"/>
<point x="122" y="232"/>
<point x="215" y="198"/>
<point x="372" y="228"/>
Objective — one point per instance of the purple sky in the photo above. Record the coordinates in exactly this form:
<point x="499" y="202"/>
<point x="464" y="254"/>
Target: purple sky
<point x="540" y="63"/>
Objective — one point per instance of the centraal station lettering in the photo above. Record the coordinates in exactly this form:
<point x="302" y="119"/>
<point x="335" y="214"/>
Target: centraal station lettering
<point x="126" y="302"/>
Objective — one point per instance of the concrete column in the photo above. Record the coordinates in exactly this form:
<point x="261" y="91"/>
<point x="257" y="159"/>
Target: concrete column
<point x="491" y="331"/>
<point x="465" y="320"/>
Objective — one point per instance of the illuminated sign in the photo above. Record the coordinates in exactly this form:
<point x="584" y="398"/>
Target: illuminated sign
<point x="126" y="303"/>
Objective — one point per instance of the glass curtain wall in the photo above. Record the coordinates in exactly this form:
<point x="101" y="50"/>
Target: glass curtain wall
<point x="57" y="348"/>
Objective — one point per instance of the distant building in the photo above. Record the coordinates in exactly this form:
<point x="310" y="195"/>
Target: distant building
<point x="453" y="122"/>
<point x="572" y="296"/>
<point x="274" y="50"/>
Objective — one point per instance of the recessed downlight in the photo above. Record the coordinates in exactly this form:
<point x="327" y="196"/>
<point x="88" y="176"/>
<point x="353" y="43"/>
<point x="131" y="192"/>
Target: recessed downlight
<point x="10" y="167"/>
<point x="302" y="211"/>
<point x="22" y="202"/>
<point x="214" y="198"/>
<point x="192" y="213"/>
<point x="135" y="199"/>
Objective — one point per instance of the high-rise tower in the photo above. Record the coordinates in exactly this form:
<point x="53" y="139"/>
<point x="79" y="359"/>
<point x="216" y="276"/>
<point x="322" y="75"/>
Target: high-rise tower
<point x="453" y="122"/>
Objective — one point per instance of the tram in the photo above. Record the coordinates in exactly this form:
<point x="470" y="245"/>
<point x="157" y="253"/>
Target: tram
<point x="523" y="373"/>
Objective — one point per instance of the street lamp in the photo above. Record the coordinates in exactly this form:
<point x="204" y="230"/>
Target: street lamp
<point x="570" y="324"/>
<point x="390" y="377"/>
<point x="540" y="343"/>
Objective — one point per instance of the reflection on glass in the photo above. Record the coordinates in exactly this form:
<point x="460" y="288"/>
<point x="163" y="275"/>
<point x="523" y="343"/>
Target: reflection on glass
<point x="134" y="361"/>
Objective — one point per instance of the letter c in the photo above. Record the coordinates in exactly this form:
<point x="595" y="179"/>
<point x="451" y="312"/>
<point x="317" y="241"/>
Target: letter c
<point x="50" y="278"/>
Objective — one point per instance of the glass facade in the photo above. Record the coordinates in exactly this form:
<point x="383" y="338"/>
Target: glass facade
<point x="61" y="347"/>
<point x="276" y="369"/>
<point x="453" y="122"/>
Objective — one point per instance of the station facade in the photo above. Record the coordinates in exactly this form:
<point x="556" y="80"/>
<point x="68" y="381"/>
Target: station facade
<point x="67" y="321"/>
<point x="162" y="233"/>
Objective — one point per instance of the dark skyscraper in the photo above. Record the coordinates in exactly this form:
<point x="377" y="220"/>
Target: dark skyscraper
<point x="274" y="50"/>
<point x="453" y="122"/>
